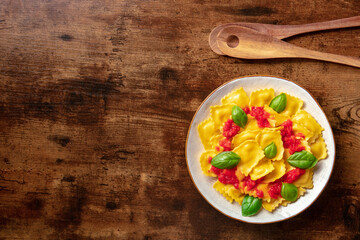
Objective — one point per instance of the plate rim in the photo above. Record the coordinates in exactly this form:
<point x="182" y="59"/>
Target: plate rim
<point x="251" y="76"/>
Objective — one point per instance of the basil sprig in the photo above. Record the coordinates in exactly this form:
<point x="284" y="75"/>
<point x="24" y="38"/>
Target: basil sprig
<point x="289" y="192"/>
<point x="250" y="205"/>
<point x="278" y="103"/>
<point x="239" y="116"/>
<point x="225" y="160"/>
<point x="303" y="160"/>
<point x="270" y="150"/>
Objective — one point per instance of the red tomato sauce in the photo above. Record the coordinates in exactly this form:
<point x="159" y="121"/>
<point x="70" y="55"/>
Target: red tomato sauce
<point x="293" y="175"/>
<point x="260" y="115"/>
<point x="226" y="176"/>
<point x="226" y="144"/>
<point x="289" y="138"/>
<point x="259" y="193"/>
<point x="230" y="129"/>
<point x="289" y="177"/>
<point x="275" y="189"/>
<point x="216" y="170"/>
<point x="249" y="183"/>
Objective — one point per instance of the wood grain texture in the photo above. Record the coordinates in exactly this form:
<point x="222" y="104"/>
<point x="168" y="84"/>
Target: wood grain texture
<point x="96" y="98"/>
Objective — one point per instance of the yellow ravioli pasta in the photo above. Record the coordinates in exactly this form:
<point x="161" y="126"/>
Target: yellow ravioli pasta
<point x="298" y="128"/>
<point x="274" y="203"/>
<point x="204" y="162"/>
<point x="305" y="180"/>
<point x="261" y="169"/>
<point x="293" y="104"/>
<point x="305" y="119"/>
<point x="250" y="153"/>
<point x="236" y="194"/>
<point x="239" y="174"/>
<point x="237" y="97"/>
<point x="288" y="167"/>
<point x="206" y="130"/>
<point x="251" y="124"/>
<point x="214" y="140"/>
<point x="261" y="97"/>
<point x="278" y="172"/>
<point x="267" y="136"/>
<point x="222" y="188"/>
<point x="220" y="114"/>
<point x="243" y="136"/>
<point x="305" y="144"/>
<point x="318" y="148"/>
<point x="276" y="117"/>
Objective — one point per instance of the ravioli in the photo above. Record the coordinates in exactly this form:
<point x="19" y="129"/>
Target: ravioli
<point x="276" y="117"/>
<point x="251" y="124"/>
<point x="305" y="119"/>
<point x="236" y="194"/>
<point x="268" y="136"/>
<point x="299" y="128"/>
<point x="237" y="97"/>
<point x="262" y="97"/>
<point x="318" y="148"/>
<point x="278" y="172"/>
<point x="305" y="180"/>
<point x="206" y="130"/>
<point x="205" y="164"/>
<point x="255" y="175"/>
<point x="214" y="140"/>
<point x="245" y="135"/>
<point x="263" y="168"/>
<point x="293" y="105"/>
<point x="220" y="114"/>
<point x="274" y="203"/>
<point x="250" y="154"/>
<point x="222" y="188"/>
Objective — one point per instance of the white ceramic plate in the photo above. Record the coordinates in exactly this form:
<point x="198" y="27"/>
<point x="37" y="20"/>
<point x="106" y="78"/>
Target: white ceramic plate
<point x="203" y="183"/>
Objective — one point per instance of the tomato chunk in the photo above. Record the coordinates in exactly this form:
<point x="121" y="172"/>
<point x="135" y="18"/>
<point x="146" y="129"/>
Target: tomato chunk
<point x="261" y="116"/>
<point x="227" y="176"/>
<point x="249" y="183"/>
<point x="226" y="144"/>
<point x="293" y="175"/>
<point x="230" y="129"/>
<point x="259" y="193"/>
<point x="289" y="138"/>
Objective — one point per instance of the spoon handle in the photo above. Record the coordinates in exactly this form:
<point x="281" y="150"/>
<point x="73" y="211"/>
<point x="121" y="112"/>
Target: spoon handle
<point x="285" y="31"/>
<point x="329" y="57"/>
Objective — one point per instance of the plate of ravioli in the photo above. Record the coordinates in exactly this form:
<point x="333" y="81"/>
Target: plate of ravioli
<point x="260" y="149"/>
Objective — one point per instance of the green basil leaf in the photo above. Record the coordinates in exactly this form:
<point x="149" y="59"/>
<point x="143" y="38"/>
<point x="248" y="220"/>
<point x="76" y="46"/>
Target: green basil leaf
<point x="250" y="205"/>
<point x="271" y="150"/>
<point x="278" y="103"/>
<point x="303" y="160"/>
<point x="239" y="116"/>
<point x="226" y="160"/>
<point x="289" y="192"/>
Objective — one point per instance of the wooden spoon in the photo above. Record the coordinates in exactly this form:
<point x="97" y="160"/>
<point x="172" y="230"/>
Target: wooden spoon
<point x="242" y="42"/>
<point x="284" y="31"/>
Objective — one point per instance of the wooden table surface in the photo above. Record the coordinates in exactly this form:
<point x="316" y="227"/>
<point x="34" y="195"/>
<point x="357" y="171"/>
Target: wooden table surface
<point x="96" y="98"/>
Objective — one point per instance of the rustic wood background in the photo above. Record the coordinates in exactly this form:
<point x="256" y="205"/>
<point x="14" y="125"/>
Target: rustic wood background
<point x="96" y="98"/>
